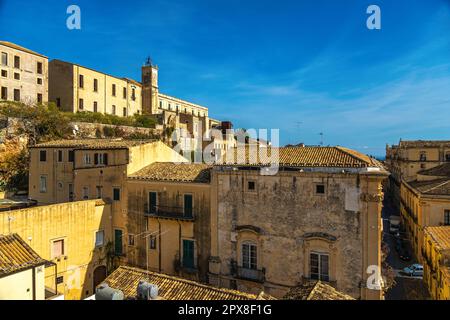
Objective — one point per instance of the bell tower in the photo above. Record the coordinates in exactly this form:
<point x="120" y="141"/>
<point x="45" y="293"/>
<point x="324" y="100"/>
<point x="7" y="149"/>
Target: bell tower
<point x="149" y="87"/>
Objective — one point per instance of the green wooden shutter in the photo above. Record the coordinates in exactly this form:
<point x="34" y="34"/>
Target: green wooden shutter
<point x="118" y="241"/>
<point x="188" y="205"/>
<point x="188" y="253"/>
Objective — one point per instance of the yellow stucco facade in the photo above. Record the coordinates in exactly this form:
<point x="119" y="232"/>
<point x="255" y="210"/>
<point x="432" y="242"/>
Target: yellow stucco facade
<point x="73" y="235"/>
<point x="436" y="256"/>
<point x="76" y="88"/>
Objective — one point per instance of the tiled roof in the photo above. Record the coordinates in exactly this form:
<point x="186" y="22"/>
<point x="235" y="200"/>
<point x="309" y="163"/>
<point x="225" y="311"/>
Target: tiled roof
<point x="17" y="47"/>
<point x="424" y="143"/>
<point x="127" y="279"/>
<point x="440" y="235"/>
<point x="303" y="157"/>
<point x="16" y="255"/>
<point x="442" y="170"/>
<point x="93" y="144"/>
<point x="432" y="187"/>
<point x="316" y="290"/>
<point x="169" y="171"/>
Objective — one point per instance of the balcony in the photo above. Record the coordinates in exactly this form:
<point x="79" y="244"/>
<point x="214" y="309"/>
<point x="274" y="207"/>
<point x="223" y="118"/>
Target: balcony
<point x="166" y="212"/>
<point x="251" y="274"/>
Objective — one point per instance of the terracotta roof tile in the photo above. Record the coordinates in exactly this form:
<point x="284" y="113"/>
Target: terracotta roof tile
<point x="127" y="279"/>
<point x="432" y="187"/>
<point x="93" y="143"/>
<point x="168" y="171"/>
<point x="440" y="235"/>
<point x="16" y="255"/>
<point x="302" y="157"/>
<point x="316" y="290"/>
<point x="442" y="170"/>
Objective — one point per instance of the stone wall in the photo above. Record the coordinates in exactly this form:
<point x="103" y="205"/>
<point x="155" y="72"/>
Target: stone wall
<point x="99" y="130"/>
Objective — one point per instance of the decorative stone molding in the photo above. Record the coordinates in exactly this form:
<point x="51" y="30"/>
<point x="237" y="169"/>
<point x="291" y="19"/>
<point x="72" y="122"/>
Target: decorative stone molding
<point x="371" y="197"/>
<point x="320" y="235"/>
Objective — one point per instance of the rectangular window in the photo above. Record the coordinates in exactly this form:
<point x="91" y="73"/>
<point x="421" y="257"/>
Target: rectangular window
<point x="114" y="109"/>
<point x="57" y="248"/>
<point x="116" y="194"/>
<point x="188" y="254"/>
<point x="16" y="95"/>
<point x="4" y="93"/>
<point x="188" y="204"/>
<point x="161" y="105"/>
<point x="124" y="112"/>
<point x="95" y="106"/>
<point x="99" y="238"/>
<point x="39" y="80"/>
<point x="16" y="76"/>
<point x="39" y="68"/>
<point x="81" y="81"/>
<point x="95" y="85"/>
<point x="118" y="242"/>
<point x="131" y="239"/>
<point x="99" y="192"/>
<point x="4" y="73"/>
<point x="423" y="156"/>
<point x="4" y="58"/>
<point x="152" y="202"/>
<point x="42" y="155"/>
<point x="70" y="192"/>
<point x="251" y="186"/>
<point x="114" y="90"/>
<point x="39" y="97"/>
<point x="249" y="256"/>
<point x="447" y="156"/>
<point x="71" y="155"/>
<point x="87" y="158"/>
<point x="58" y="102"/>
<point x="100" y="158"/>
<point x="124" y="93"/>
<point x="152" y="242"/>
<point x="43" y="184"/>
<point x="319" y="266"/>
<point x="320" y="189"/>
<point x="133" y="94"/>
<point x="16" y="62"/>
<point x="85" y="193"/>
<point x="60" y="280"/>
<point x="81" y="104"/>
<point x="60" y="156"/>
<point x="447" y="217"/>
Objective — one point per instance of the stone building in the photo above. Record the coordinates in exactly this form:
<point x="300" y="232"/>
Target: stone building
<point x="169" y="214"/>
<point x="425" y="202"/>
<point x="24" y="74"/>
<point x="75" y="170"/>
<point x="436" y="256"/>
<point x="407" y="158"/>
<point x="75" y="88"/>
<point x="72" y="238"/>
<point x="318" y="217"/>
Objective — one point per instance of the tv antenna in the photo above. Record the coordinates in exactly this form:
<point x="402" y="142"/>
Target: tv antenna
<point x="321" y="139"/>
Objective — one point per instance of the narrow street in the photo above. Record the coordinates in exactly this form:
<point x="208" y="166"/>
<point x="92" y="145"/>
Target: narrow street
<point x="405" y="287"/>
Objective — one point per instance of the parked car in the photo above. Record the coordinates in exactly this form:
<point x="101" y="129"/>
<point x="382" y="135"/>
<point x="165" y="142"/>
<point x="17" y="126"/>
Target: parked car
<point x="414" y="270"/>
<point x="404" y="254"/>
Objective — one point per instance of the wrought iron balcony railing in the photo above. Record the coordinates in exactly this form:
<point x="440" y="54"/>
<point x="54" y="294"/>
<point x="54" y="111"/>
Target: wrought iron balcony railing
<point x="251" y="274"/>
<point x="167" y="212"/>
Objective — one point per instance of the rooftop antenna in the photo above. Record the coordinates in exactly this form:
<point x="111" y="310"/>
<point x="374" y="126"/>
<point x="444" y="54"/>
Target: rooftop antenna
<point x="321" y="139"/>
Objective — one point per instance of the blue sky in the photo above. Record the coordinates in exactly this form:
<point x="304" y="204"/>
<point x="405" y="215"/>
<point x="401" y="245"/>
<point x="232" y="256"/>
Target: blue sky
<point x="304" y="67"/>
